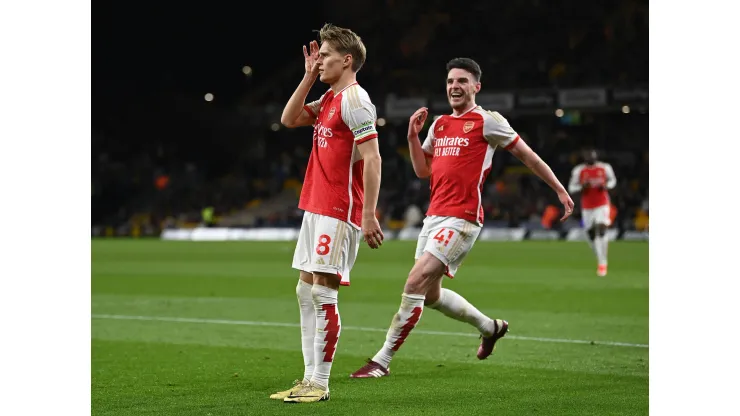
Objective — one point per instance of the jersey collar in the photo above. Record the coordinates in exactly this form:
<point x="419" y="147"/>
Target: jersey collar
<point x="466" y="112"/>
<point x="342" y="90"/>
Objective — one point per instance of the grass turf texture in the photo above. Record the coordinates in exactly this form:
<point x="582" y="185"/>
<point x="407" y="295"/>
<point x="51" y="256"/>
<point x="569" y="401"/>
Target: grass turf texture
<point x="183" y="328"/>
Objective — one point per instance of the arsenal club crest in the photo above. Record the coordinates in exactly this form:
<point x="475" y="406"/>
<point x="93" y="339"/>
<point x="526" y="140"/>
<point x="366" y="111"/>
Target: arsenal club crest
<point x="468" y="126"/>
<point x="331" y="113"/>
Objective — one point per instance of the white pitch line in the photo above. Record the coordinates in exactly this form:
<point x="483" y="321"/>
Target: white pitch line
<point x="354" y="328"/>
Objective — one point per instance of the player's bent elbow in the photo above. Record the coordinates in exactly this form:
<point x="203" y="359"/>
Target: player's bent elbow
<point x="378" y="159"/>
<point x="287" y="123"/>
<point x="423" y="173"/>
<point x="372" y="159"/>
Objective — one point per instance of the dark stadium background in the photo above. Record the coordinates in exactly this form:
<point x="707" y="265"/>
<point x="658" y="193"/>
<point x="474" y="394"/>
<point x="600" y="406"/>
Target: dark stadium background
<point x="161" y="152"/>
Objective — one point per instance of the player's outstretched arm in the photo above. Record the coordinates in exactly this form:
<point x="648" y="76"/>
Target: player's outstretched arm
<point x="294" y="113"/>
<point x="371" y="177"/>
<point x="419" y="159"/>
<point x="533" y="161"/>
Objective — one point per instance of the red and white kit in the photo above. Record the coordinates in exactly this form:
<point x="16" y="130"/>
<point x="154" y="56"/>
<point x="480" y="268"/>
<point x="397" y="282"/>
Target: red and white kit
<point x="461" y="148"/>
<point x="593" y="181"/>
<point x="332" y="194"/>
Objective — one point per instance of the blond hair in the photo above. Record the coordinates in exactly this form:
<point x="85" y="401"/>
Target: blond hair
<point x="345" y="42"/>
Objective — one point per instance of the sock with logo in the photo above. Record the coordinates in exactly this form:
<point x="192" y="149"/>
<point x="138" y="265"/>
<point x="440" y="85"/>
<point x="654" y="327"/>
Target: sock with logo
<point x="403" y="322"/>
<point x="328" y="328"/>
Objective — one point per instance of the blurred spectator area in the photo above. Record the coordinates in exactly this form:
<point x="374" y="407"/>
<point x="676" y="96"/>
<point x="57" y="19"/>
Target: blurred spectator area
<point x="158" y="190"/>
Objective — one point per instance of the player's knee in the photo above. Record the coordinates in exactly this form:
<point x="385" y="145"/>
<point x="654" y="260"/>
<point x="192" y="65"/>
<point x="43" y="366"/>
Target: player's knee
<point x="433" y="294"/>
<point x="601" y="230"/>
<point x="415" y="281"/>
<point x="306" y="277"/>
<point x="591" y="233"/>
<point x="321" y="294"/>
<point x="422" y="276"/>
<point x="330" y="280"/>
<point x="299" y="289"/>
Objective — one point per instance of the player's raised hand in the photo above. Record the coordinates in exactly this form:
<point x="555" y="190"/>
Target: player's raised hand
<point x="372" y="232"/>
<point x="416" y="122"/>
<point x="567" y="204"/>
<point x="312" y="58"/>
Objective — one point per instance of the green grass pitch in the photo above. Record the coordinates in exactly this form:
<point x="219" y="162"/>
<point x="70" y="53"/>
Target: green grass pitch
<point x="184" y="328"/>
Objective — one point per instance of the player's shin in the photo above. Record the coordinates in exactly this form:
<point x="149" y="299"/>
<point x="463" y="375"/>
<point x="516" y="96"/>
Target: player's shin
<point x="328" y="329"/>
<point x="590" y="239"/>
<point x="457" y="307"/>
<point x="308" y="327"/>
<point x="600" y="245"/>
<point x="404" y="321"/>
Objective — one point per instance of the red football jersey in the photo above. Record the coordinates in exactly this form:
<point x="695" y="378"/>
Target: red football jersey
<point x="333" y="185"/>
<point x="461" y="148"/>
<point x="599" y="176"/>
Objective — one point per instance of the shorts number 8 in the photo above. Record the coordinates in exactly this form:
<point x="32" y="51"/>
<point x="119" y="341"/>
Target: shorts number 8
<point x="322" y="248"/>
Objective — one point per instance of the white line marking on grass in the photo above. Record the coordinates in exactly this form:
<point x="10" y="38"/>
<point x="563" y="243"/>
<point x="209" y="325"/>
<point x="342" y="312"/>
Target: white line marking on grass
<point x="353" y="328"/>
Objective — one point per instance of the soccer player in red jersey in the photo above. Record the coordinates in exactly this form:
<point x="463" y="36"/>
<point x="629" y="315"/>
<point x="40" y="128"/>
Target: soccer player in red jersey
<point x="456" y="156"/>
<point x="593" y="179"/>
<point x="339" y="197"/>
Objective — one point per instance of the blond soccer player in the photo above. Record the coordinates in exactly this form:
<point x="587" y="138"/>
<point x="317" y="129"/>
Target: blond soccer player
<point x="339" y="197"/>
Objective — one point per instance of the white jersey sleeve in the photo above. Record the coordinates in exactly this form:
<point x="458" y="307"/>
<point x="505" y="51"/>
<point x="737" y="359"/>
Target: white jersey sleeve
<point x="428" y="145"/>
<point x="497" y="131"/>
<point x="314" y="106"/>
<point x="359" y="114"/>
<point x="574" y="185"/>
<point x="611" y="179"/>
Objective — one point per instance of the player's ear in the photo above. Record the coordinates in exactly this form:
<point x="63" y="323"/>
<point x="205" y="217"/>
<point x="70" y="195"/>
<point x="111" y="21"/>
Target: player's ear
<point x="347" y="60"/>
<point x="477" y="87"/>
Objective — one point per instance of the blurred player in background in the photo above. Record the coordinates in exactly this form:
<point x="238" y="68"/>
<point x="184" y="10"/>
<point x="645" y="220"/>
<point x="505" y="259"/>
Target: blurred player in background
<point x="593" y="179"/>
<point x="456" y="156"/>
<point x="339" y="197"/>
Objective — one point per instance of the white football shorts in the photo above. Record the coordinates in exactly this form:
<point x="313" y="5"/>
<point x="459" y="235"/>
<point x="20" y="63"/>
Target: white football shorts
<point x="326" y="245"/>
<point x="598" y="215"/>
<point x="449" y="239"/>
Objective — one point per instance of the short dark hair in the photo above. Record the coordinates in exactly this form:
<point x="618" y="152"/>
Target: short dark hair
<point x="466" y="64"/>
